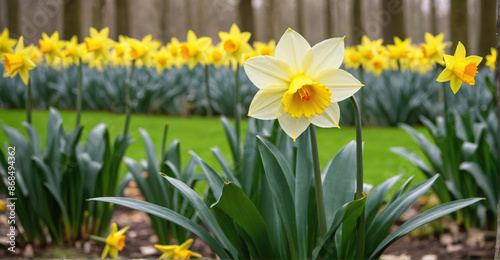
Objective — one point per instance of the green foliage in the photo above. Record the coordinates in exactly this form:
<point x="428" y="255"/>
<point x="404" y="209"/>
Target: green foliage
<point x="463" y="151"/>
<point x="52" y="185"/>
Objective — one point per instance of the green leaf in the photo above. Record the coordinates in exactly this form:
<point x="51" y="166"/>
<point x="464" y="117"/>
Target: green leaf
<point x="172" y="216"/>
<point x="224" y="165"/>
<point x="377" y="196"/>
<point x="250" y="157"/>
<point x="339" y="176"/>
<point x="231" y="138"/>
<point x="383" y="222"/>
<point x="240" y="208"/>
<point x="482" y="181"/>
<point x="215" y="181"/>
<point x="423" y="218"/>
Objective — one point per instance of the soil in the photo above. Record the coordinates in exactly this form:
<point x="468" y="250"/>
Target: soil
<point x="451" y="243"/>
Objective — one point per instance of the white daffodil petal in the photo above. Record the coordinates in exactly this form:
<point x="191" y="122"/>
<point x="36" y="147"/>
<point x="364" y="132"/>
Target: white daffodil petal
<point x="265" y="71"/>
<point x="267" y="103"/>
<point x="293" y="127"/>
<point x="341" y="83"/>
<point x="327" y="54"/>
<point x="291" y="48"/>
<point x="329" y="118"/>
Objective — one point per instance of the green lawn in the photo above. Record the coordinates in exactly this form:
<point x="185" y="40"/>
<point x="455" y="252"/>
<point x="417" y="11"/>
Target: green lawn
<point x="200" y="134"/>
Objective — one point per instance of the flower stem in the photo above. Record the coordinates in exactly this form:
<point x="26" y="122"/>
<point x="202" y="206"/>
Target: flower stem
<point x="128" y="102"/>
<point x="318" y="184"/>
<point x="360" y="240"/>
<point x="96" y="238"/>
<point x="207" y="91"/>
<point x="237" y="119"/>
<point x="28" y="103"/>
<point x="79" y="93"/>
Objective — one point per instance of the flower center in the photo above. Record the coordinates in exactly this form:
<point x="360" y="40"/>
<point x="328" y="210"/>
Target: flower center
<point x="13" y="62"/>
<point x="465" y="71"/>
<point x="162" y="60"/>
<point x="377" y="64"/>
<point x="137" y="51"/>
<point x="354" y="57"/>
<point x="45" y="47"/>
<point x="120" y="50"/>
<point x="188" y="50"/>
<point x="116" y="241"/>
<point x="173" y="50"/>
<point x="305" y="97"/>
<point x="216" y="55"/>
<point x="368" y="53"/>
<point x="183" y="254"/>
<point x="92" y="44"/>
<point x="231" y="46"/>
<point x="428" y="50"/>
<point x="67" y="52"/>
<point x="265" y="51"/>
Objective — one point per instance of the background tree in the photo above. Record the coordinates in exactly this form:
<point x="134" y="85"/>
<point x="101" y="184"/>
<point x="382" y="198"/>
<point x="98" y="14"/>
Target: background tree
<point x="97" y="11"/>
<point x="357" y="26"/>
<point x="122" y="17"/>
<point x="299" y="14"/>
<point x="459" y="23"/>
<point x="13" y="17"/>
<point x="394" y="20"/>
<point x="164" y="20"/>
<point x="272" y="20"/>
<point x="246" y="17"/>
<point x="328" y="18"/>
<point x="72" y="18"/>
<point x="487" y="31"/>
<point x="434" y="23"/>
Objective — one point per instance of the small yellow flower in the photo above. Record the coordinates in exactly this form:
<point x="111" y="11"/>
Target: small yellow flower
<point x="235" y="43"/>
<point x="71" y="54"/>
<point x="263" y="48"/>
<point x="459" y="69"/>
<point x="434" y="47"/>
<point x="217" y="56"/>
<point x="193" y="50"/>
<point x="369" y="49"/>
<point x="114" y="242"/>
<point x="36" y="55"/>
<point x="6" y="44"/>
<point x="19" y="62"/>
<point x="99" y="43"/>
<point x="399" y="51"/>
<point x="51" y="47"/>
<point x="174" y="47"/>
<point x="120" y="54"/>
<point x="177" y="252"/>
<point x="300" y="85"/>
<point x="142" y="50"/>
<point x="491" y="60"/>
<point x="352" y="58"/>
<point x="162" y="59"/>
<point x="377" y="64"/>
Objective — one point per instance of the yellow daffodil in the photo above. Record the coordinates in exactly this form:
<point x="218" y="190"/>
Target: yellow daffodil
<point x="36" y="55"/>
<point x="114" y="242"/>
<point x="71" y="54"/>
<point x="162" y="59"/>
<point x="377" y="64"/>
<point x="217" y="56"/>
<point x="120" y="54"/>
<point x="368" y="49"/>
<point x="491" y="60"/>
<point x="434" y="47"/>
<point x="19" y="62"/>
<point x="300" y="85"/>
<point x="265" y="48"/>
<point x="177" y="252"/>
<point x="459" y="68"/>
<point x="352" y="58"/>
<point x="143" y="49"/>
<point x="193" y="50"/>
<point x="6" y="44"/>
<point x="235" y="43"/>
<point x="99" y="43"/>
<point x="2" y="206"/>
<point x="174" y="47"/>
<point x="399" y="49"/>
<point x="51" y="47"/>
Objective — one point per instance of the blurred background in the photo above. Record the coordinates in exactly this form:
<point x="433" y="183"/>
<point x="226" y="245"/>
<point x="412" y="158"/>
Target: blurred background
<point x="470" y="21"/>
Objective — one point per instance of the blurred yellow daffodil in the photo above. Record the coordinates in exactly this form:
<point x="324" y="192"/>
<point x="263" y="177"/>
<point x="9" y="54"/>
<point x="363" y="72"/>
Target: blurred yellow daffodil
<point x="235" y="43"/>
<point x="265" y="48"/>
<point x="6" y="44"/>
<point x="143" y="49"/>
<point x="162" y="59"/>
<point x="300" y="85"/>
<point x="99" y="43"/>
<point x="491" y="59"/>
<point x="120" y="54"/>
<point x="174" y="47"/>
<point x="71" y="54"/>
<point x="377" y="64"/>
<point x="217" y="56"/>
<point x="177" y="252"/>
<point x="352" y="58"/>
<point x="19" y="62"/>
<point x="459" y="68"/>
<point x="193" y="50"/>
<point x="114" y="242"/>
<point x="369" y="49"/>
<point x="434" y="47"/>
<point x="51" y="47"/>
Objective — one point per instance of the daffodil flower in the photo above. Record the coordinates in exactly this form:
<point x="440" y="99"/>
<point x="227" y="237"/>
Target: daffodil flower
<point x="459" y="69"/>
<point x="216" y="56"/>
<point x="300" y="85"/>
<point x="352" y="58"/>
<point x="235" y="43"/>
<point x="6" y="44"/>
<point x="19" y="62"/>
<point x="174" y="47"/>
<point x="114" y="242"/>
<point x="491" y="59"/>
<point x="162" y="59"/>
<point x="51" y="47"/>
<point x="434" y="47"/>
<point x="142" y="50"/>
<point x="177" y="252"/>
<point x="99" y="43"/>
<point x="71" y="53"/>
<point x="193" y="50"/>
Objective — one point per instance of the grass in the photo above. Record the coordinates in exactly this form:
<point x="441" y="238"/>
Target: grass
<point x="200" y="134"/>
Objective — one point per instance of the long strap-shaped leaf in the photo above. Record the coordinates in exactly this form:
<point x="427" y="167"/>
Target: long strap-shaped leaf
<point x="426" y="217"/>
<point x="172" y="216"/>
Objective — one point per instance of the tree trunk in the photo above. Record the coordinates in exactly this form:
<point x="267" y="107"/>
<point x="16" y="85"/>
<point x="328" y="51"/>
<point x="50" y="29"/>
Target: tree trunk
<point x="187" y="13"/>
<point x="13" y="18"/>
<point x="434" y="22"/>
<point x="328" y="18"/>
<point x="487" y="37"/>
<point x="459" y="23"/>
<point x="246" y="17"/>
<point x="298" y="14"/>
<point x="393" y="20"/>
<point x="164" y="21"/>
<point x="271" y="19"/>
<point x="497" y="72"/>
<point x="97" y="10"/>
<point x="72" y="18"/>
<point x="122" y="17"/>
<point x="357" y="26"/>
